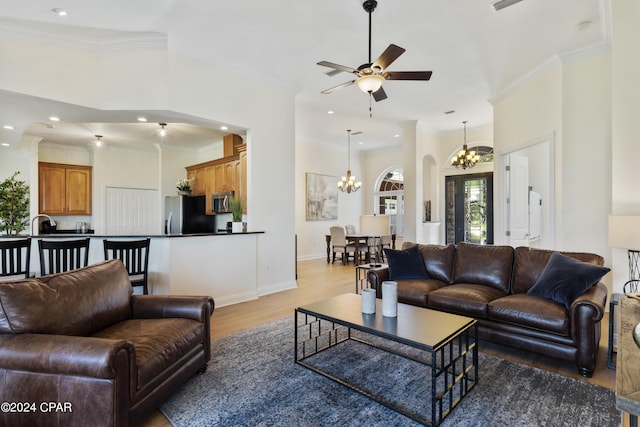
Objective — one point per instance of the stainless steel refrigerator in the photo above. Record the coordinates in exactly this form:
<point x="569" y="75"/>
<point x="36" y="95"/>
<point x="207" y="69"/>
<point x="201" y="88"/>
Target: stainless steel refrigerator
<point x="186" y="215"/>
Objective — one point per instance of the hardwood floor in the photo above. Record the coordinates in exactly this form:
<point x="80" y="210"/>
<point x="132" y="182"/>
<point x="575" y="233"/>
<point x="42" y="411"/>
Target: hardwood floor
<point x="318" y="280"/>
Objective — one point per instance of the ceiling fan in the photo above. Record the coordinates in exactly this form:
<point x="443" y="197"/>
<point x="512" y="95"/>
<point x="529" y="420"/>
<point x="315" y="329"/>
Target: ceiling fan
<point x="371" y="75"/>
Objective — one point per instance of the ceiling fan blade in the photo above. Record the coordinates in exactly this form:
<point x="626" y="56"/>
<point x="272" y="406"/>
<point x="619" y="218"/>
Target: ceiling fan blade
<point x="390" y="54"/>
<point x="380" y="94"/>
<point x="338" y="67"/>
<point x="407" y="75"/>
<point x="358" y="132"/>
<point x="340" y="86"/>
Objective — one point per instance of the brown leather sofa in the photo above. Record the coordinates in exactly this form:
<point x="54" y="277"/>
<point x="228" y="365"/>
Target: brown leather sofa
<point x="78" y="349"/>
<point x="490" y="284"/>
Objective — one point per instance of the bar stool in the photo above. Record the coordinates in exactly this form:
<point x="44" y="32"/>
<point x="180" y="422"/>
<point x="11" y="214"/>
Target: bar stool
<point x="15" y="256"/>
<point x="134" y="254"/>
<point x="58" y="256"/>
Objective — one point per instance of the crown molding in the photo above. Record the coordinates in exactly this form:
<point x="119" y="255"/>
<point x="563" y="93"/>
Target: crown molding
<point x="92" y="40"/>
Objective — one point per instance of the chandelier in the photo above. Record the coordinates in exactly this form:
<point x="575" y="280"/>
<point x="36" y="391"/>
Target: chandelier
<point x="465" y="158"/>
<point x="348" y="183"/>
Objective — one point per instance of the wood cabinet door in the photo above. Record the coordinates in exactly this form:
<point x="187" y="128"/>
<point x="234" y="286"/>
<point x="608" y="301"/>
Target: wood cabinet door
<point x="220" y="178"/>
<point x="198" y="181"/>
<point x="230" y="175"/>
<point x="51" y="190"/>
<point x="242" y="179"/>
<point x="210" y="187"/>
<point x="78" y="191"/>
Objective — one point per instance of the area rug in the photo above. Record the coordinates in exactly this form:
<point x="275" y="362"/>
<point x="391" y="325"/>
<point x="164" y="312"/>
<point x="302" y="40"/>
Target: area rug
<point x="252" y="380"/>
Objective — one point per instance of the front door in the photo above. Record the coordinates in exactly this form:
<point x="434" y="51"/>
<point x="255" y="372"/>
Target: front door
<point x="469" y="201"/>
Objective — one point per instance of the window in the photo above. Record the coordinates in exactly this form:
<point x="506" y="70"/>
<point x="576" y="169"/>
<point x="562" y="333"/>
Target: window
<point x="389" y="197"/>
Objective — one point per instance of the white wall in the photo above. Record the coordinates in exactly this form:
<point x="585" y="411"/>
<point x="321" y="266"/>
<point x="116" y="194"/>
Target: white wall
<point x="571" y="102"/>
<point x="164" y="80"/>
<point x="327" y="159"/>
<point x="625" y="149"/>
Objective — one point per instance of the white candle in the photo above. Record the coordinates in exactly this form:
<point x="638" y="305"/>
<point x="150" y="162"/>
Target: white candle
<point x="389" y="298"/>
<point x="368" y="301"/>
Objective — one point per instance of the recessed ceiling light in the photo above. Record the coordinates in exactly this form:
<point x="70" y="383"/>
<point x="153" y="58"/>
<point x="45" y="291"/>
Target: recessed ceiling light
<point x="5" y="144"/>
<point x="142" y="119"/>
<point x="224" y="127"/>
<point x="8" y="127"/>
<point x="396" y="135"/>
<point x="330" y="112"/>
<point x="54" y="119"/>
<point x="360" y="143"/>
<point x="59" y="11"/>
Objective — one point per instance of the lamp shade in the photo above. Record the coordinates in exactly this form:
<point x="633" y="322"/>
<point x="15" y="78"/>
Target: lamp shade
<point x="624" y="231"/>
<point x="370" y="83"/>
<point x="375" y="225"/>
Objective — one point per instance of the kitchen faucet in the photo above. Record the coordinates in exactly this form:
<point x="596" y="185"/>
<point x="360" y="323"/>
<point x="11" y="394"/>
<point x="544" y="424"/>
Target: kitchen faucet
<point x="53" y="223"/>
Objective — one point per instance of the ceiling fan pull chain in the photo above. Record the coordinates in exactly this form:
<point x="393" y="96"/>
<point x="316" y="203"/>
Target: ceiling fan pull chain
<point x="370" y="112"/>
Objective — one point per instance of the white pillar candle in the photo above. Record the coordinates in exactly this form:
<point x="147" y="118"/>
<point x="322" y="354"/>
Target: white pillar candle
<point x="368" y="301"/>
<point x="389" y="298"/>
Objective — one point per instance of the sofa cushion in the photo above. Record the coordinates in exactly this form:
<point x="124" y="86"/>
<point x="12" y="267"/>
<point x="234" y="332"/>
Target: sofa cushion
<point x="405" y="264"/>
<point x="529" y="262"/>
<point x="483" y="264"/>
<point x="79" y="302"/>
<point x="565" y="278"/>
<point x="467" y="299"/>
<point x="158" y="343"/>
<point x="534" y="312"/>
<point x="416" y="291"/>
<point x="438" y="260"/>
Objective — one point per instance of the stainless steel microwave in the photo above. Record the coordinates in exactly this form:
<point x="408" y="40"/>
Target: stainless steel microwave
<point x="220" y="202"/>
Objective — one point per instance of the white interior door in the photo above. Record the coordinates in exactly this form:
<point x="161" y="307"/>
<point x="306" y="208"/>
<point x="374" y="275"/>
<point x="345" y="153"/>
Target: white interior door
<point x="518" y="195"/>
<point x="132" y="211"/>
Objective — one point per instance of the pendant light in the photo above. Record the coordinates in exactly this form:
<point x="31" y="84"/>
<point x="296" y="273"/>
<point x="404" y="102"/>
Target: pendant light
<point x="466" y="158"/>
<point x="348" y="183"/>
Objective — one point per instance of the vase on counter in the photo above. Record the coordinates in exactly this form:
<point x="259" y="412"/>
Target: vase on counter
<point x="236" y="227"/>
<point x="184" y="192"/>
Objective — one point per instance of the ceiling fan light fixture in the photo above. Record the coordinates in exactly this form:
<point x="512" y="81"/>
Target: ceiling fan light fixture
<point x="162" y="131"/>
<point x="370" y="83"/>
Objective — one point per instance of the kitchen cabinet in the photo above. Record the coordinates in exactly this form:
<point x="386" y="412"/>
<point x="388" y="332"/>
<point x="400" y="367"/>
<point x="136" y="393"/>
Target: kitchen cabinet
<point x="198" y="181"/>
<point x="225" y="174"/>
<point x="64" y="189"/>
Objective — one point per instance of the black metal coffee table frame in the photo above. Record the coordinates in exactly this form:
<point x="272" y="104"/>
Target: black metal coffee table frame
<point x="452" y="358"/>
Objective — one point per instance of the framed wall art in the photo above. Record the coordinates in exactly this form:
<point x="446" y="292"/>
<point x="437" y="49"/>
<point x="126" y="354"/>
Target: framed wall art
<point x="322" y="197"/>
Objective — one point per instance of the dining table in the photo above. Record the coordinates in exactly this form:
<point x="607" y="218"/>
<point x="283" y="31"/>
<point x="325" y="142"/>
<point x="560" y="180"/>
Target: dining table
<point x="357" y="239"/>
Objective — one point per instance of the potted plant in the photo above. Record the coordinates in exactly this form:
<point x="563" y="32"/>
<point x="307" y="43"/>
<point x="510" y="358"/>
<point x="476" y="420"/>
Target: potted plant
<point x="184" y="187"/>
<point x="236" y="214"/>
<point x="14" y="205"/>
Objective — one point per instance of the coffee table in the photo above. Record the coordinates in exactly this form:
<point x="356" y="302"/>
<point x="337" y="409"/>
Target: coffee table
<point x="447" y="344"/>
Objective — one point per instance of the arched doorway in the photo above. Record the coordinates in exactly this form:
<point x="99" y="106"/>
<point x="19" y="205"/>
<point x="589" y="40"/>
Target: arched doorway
<point x="388" y="198"/>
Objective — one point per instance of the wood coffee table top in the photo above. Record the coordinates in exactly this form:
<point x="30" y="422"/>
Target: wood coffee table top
<point x="414" y="325"/>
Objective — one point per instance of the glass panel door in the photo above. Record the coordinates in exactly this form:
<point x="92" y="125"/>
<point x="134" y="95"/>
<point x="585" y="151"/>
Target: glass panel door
<point x="469" y="201"/>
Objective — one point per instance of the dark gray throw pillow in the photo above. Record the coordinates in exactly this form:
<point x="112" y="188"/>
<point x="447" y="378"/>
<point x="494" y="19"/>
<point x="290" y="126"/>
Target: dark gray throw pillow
<point x="564" y="279"/>
<point x="406" y="264"/>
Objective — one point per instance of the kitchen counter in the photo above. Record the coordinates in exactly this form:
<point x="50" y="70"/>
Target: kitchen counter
<point x="133" y="236"/>
<point x="222" y="265"/>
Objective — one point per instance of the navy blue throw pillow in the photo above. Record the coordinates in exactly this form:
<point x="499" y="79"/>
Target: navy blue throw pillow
<point x="564" y="279"/>
<point x="406" y="264"/>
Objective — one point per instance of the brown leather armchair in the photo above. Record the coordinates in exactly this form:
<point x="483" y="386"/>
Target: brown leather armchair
<point x="77" y="348"/>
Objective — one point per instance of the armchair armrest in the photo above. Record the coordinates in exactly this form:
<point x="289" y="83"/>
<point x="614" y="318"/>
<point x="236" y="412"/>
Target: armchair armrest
<point x="65" y="355"/>
<point x="595" y="297"/>
<point x="376" y="276"/>
<point x="164" y="306"/>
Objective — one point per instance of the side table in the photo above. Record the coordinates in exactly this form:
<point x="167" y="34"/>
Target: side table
<point x="628" y="370"/>
<point x="611" y="353"/>
<point x="361" y="275"/>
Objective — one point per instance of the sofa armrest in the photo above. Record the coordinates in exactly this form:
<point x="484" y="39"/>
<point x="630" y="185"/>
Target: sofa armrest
<point x="585" y="314"/>
<point x="65" y="355"/>
<point x="375" y="277"/>
<point x="165" y="306"/>
<point x="595" y="298"/>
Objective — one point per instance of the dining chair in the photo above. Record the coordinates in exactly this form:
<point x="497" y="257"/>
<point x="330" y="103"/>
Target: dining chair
<point x="340" y="244"/>
<point x="350" y="229"/>
<point x="385" y="242"/>
<point x="58" y="256"/>
<point x="15" y="256"/>
<point x="134" y="254"/>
